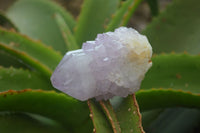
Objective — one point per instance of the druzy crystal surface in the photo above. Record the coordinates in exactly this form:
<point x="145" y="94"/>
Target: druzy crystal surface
<point x="114" y="64"/>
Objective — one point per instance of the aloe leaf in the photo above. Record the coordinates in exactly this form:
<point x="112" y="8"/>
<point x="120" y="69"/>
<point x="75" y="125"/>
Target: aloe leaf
<point x="177" y="71"/>
<point x="160" y="99"/>
<point x="18" y="79"/>
<point x="86" y="127"/>
<point x="95" y="15"/>
<point x="129" y="115"/>
<point x="100" y="123"/>
<point x="37" y="50"/>
<point x="23" y="123"/>
<point x="149" y="116"/>
<point x="27" y="59"/>
<point x="6" y="60"/>
<point x="67" y="111"/>
<point x="111" y="116"/>
<point x="6" y="23"/>
<point x="176" y="29"/>
<point x="35" y="18"/>
<point x="123" y="14"/>
<point x="66" y="33"/>
<point x="179" y="120"/>
<point x="153" y="4"/>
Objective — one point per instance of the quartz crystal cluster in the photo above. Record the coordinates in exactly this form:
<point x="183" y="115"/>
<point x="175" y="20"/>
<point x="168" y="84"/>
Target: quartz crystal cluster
<point x="114" y="64"/>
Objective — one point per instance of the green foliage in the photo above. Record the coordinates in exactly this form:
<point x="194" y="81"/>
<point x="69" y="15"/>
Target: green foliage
<point x="171" y="71"/>
<point x="58" y="107"/>
<point x="98" y="119"/>
<point x="176" y="29"/>
<point x="160" y="99"/>
<point x="35" y="49"/>
<point x="7" y="60"/>
<point x="111" y="116"/>
<point x="66" y="33"/>
<point x="129" y="116"/>
<point x="5" y="22"/>
<point x="93" y="19"/>
<point x="12" y="78"/>
<point x="123" y="14"/>
<point x="26" y="66"/>
<point x="179" y="120"/>
<point x="23" y="123"/>
<point x="36" y="19"/>
<point x="153" y="4"/>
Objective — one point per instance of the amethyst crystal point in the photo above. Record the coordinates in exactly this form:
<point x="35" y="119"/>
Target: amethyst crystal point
<point x="112" y="65"/>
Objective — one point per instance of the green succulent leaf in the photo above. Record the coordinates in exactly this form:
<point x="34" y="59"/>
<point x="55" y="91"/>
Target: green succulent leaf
<point x="36" y="50"/>
<point x="124" y="118"/>
<point x="111" y="116"/>
<point x="27" y="59"/>
<point x="149" y="116"/>
<point x="94" y="17"/>
<point x="100" y="123"/>
<point x="6" y="60"/>
<point x="153" y="4"/>
<point x="6" y="23"/>
<point x="123" y="14"/>
<point x="69" y="38"/>
<point x="173" y="30"/>
<point x="18" y="79"/>
<point x="23" y="123"/>
<point x="180" y="72"/>
<point x="177" y="28"/>
<point x="176" y="120"/>
<point x="177" y="71"/>
<point x="59" y="107"/>
<point x="166" y="98"/>
<point x="129" y="116"/>
<point x="36" y="19"/>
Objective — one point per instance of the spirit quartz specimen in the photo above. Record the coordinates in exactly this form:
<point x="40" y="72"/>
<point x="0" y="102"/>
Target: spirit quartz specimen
<point x="114" y="64"/>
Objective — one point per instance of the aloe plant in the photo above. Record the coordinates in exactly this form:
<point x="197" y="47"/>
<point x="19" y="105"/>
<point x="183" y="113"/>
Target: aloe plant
<point x="35" y="34"/>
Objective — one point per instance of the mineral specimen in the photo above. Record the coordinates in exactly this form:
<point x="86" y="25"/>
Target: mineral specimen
<point x="112" y="65"/>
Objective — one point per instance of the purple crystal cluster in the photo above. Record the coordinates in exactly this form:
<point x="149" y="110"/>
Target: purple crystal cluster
<point x="112" y="65"/>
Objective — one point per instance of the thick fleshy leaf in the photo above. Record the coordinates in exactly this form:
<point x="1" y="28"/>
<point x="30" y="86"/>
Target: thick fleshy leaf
<point x="162" y="99"/>
<point x="69" y="112"/>
<point x="36" y="50"/>
<point x="179" y="120"/>
<point x="173" y="30"/>
<point x="24" y="57"/>
<point x="100" y="123"/>
<point x="129" y="115"/>
<point x="35" y="18"/>
<point x="149" y="116"/>
<point x="166" y="98"/>
<point x="18" y="79"/>
<point x="6" y="60"/>
<point x="153" y="4"/>
<point x="69" y="38"/>
<point x="95" y="15"/>
<point x="180" y="72"/>
<point x="6" y="23"/>
<point x="176" y="29"/>
<point x="23" y="123"/>
<point x="177" y="71"/>
<point x="111" y="116"/>
<point x="123" y="14"/>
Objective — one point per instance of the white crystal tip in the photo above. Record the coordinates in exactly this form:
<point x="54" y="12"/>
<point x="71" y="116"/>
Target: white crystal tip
<point x="114" y="64"/>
